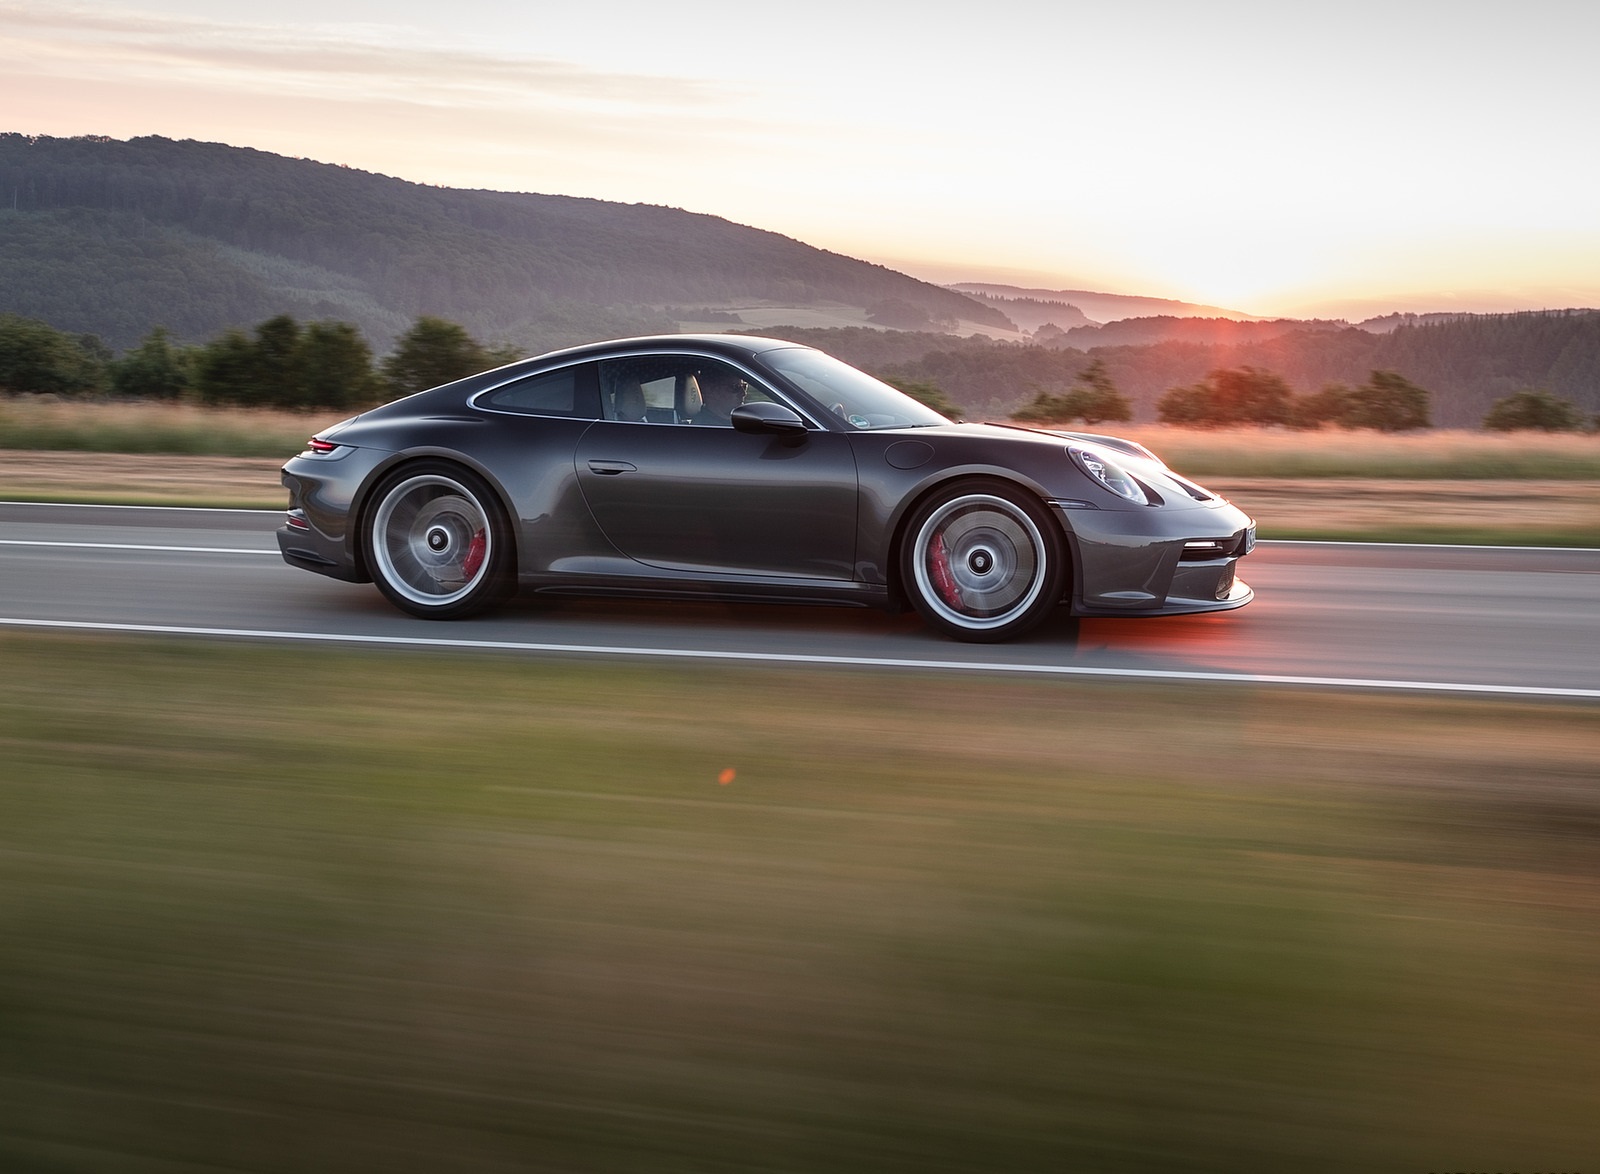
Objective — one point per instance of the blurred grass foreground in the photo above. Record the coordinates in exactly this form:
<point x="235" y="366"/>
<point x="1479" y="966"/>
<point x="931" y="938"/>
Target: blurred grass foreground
<point x="269" y="911"/>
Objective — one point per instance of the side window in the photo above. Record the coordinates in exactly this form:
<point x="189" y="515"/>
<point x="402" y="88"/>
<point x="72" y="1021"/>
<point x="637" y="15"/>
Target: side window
<point x="645" y="390"/>
<point x="567" y="392"/>
<point x="675" y="389"/>
<point x="657" y="400"/>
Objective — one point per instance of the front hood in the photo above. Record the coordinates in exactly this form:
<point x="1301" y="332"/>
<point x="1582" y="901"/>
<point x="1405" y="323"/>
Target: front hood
<point x="1116" y="444"/>
<point x="1173" y="488"/>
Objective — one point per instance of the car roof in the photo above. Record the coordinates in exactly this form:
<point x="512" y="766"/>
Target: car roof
<point x="734" y="346"/>
<point x="743" y="345"/>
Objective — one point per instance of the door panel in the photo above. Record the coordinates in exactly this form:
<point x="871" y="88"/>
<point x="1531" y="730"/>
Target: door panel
<point x="714" y="500"/>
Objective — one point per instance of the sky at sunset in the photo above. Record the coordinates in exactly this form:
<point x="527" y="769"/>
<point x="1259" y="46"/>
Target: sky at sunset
<point x="1272" y="158"/>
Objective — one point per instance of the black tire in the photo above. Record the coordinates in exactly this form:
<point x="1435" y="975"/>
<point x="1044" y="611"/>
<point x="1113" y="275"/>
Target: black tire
<point x="983" y="561"/>
<point x="437" y="543"/>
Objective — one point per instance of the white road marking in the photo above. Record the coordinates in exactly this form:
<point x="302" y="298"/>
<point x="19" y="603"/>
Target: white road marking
<point x="137" y="546"/>
<point x="809" y="659"/>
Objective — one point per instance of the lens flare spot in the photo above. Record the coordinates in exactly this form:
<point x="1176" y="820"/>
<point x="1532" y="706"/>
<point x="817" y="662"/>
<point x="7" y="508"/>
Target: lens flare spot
<point x="726" y="777"/>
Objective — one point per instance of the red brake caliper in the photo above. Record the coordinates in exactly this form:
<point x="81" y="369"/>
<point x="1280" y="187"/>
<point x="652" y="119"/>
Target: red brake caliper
<point x="474" y="558"/>
<point x="943" y="581"/>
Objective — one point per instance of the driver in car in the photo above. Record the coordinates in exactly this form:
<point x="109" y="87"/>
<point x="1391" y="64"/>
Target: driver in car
<point x="721" y="390"/>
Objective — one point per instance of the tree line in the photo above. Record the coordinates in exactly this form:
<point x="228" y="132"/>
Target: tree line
<point x="1386" y="402"/>
<point x="284" y="363"/>
<point x="281" y="363"/>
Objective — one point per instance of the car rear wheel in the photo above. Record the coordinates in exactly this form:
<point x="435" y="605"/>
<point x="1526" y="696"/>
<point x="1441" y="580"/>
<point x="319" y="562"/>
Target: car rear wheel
<point x="983" y="562"/>
<point x="436" y="544"/>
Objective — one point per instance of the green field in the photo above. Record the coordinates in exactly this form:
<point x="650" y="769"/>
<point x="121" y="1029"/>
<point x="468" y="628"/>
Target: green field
<point x="269" y="910"/>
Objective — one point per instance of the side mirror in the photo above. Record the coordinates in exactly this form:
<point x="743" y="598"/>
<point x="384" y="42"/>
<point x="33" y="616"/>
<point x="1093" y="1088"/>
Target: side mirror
<point x="768" y="418"/>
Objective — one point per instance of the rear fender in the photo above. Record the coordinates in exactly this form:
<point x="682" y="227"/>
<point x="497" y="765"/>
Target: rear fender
<point x="362" y="504"/>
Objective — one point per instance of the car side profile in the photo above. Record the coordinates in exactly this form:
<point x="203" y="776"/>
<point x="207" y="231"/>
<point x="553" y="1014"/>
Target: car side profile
<point x="733" y="467"/>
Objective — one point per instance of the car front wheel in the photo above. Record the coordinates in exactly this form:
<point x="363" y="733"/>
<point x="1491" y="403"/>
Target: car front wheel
<point x="983" y="562"/>
<point x="436" y="545"/>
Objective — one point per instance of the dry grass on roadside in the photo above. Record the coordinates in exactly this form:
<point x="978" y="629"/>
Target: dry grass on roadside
<point x="1335" y="452"/>
<point x="31" y="422"/>
<point x="1503" y="512"/>
<point x="113" y="478"/>
<point x="48" y="424"/>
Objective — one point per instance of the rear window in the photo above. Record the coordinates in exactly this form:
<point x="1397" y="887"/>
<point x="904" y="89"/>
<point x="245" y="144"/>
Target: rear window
<point x="567" y="392"/>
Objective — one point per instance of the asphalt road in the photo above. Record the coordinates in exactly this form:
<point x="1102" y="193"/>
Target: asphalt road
<point x="1471" y="618"/>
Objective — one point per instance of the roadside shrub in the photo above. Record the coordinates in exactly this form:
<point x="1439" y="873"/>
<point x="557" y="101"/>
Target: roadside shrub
<point x="1241" y="395"/>
<point x="225" y="370"/>
<point x="1323" y="407"/>
<point x="1386" y="402"/>
<point x="335" y="368"/>
<point x="38" y="359"/>
<point x="155" y="369"/>
<point x="285" y="365"/>
<point x="1094" y="399"/>
<point x="435" y="352"/>
<point x="1534" y="410"/>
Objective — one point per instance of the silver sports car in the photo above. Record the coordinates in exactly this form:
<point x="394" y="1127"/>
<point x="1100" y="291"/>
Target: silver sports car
<point x="748" y="468"/>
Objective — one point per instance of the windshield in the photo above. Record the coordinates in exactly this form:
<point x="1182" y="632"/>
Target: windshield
<point x="852" y="395"/>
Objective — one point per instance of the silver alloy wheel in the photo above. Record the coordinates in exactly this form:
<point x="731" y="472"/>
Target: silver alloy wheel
<point x="432" y="540"/>
<point x="979" y="562"/>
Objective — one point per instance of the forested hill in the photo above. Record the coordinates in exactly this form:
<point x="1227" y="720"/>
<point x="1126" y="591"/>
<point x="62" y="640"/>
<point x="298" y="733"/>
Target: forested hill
<point x="113" y="238"/>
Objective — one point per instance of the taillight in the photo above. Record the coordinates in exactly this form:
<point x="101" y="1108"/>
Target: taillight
<point x="317" y="444"/>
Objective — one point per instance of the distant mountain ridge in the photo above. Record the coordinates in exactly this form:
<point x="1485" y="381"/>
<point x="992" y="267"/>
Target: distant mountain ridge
<point x="1205" y="331"/>
<point x="1097" y="308"/>
<point x="114" y="237"/>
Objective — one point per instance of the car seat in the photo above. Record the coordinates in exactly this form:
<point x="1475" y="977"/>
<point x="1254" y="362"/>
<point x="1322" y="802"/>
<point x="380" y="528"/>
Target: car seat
<point x="627" y="403"/>
<point x="689" y="393"/>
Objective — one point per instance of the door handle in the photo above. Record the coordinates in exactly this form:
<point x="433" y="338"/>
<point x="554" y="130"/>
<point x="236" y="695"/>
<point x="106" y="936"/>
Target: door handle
<point x="610" y="468"/>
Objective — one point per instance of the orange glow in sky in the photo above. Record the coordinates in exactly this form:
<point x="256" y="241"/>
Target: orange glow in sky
<point x="1251" y="155"/>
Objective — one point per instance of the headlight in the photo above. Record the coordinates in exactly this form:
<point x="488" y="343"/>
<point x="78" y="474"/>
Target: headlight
<point x="1109" y="474"/>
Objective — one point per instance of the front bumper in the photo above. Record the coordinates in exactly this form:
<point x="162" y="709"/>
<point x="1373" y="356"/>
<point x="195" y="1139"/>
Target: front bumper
<point x="1158" y="562"/>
